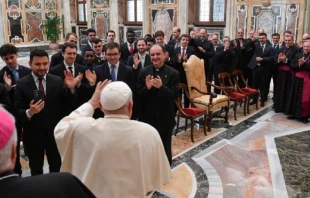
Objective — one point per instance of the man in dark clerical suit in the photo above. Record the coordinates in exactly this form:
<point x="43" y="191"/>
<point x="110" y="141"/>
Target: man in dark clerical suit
<point x="48" y="185"/>
<point x="113" y="70"/>
<point x="127" y="49"/>
<point x="204" y="49"/>
<point x="91" y="34"/>
<point x="261" y="64"/>
<point x="138" y="61"/>
<point x="40" y="98"/>
<point x="275" y="52"/>
<point x="224" y="60"/>
<point x="244" y="52"/>
<point x="157" y="89"/>
<point x="57" y="58"/>
<point x="9" y="75"/>
<point x="69" y="51"/>
<point x="181" y="54"/>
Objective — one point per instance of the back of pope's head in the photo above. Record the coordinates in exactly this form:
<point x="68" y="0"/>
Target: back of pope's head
<point x="7" y="141"/>
<point x="116" y="98"/>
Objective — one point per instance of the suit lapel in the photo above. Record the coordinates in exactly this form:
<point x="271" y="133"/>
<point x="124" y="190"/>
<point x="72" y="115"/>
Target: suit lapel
<point x="106" y="72"/>
<point x="121" y="72"/>
<point x="31" y="82"/>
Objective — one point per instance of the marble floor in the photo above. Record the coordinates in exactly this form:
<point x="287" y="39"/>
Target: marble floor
<point x="262" y="154"/>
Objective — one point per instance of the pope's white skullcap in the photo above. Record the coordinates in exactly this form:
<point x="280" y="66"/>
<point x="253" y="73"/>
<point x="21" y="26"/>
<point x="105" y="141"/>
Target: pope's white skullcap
<point x="115" y="95"/>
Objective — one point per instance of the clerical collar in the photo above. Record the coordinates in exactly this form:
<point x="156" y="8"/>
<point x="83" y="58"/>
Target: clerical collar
<point x="117" y="116"/>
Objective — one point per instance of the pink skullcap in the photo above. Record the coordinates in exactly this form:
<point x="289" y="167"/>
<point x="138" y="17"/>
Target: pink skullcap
<point x="6" y="127"/>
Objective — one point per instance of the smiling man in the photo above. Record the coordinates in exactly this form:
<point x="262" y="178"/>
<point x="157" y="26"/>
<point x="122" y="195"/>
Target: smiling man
<point x="157" y="87"/>
<point x="129" y="47"/>
<point x="40" y="118"/>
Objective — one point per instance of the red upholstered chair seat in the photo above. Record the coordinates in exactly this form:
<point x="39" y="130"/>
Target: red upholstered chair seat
<point x="193" y="111"/>
<point x="236" y="95"/>
<point x="248" y="90"/>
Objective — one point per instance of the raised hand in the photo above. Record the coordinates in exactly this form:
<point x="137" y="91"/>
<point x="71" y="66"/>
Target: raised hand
<point x="179" y="57"/>
<point x="95" y="99"/>
<point x="149" y="81"/>
<point x="78" y="79"/>
<point x="7" y="79"/>
<point x="35" y="107"/>
<point x="69" y="79"/>
<point x="301" y="61"/>
<point x="157" y="82"/>
<point x="136" y="60"/>
<point x="91" y="76"/>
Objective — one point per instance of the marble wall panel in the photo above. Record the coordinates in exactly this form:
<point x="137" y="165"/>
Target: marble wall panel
<point x="50" y="4"/>
<point x="292" y="18"/>
<point x="101" y="23"/>
<point x="99" y="4"/>
<point x="121" y="35"/>
<point x="12" y="4"/>
<point x="73" y="11"/>
<point x="34" y="31"/>
<point x="162" y="19"/>
<point x="242" y="15"/>
<point x="33" y="4"/>
<point x="268" y="18"/>
<point x="14" y="25"/>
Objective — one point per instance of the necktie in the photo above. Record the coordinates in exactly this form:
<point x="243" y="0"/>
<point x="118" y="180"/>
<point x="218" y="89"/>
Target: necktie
<point x="70" y="68"/>
<point x="183" y="53"/>
<point x="142" y="61"/>
<point x="113" y="76"/>
<point x="131" y="49"/>
<point x="262" y="48"/>
<point x="274" y="46"/>
<point x="15" y="74"/>
<point x="41" y="87"/>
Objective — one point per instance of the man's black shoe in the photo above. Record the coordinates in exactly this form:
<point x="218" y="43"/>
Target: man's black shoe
<point x="262" y="104"/>
<point x="291" y="117"/>
<point x="304" y="120"/>
<point x="253" y="102"/>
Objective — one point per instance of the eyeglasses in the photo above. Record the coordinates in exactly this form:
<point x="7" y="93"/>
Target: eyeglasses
<point x="112" y="55"/>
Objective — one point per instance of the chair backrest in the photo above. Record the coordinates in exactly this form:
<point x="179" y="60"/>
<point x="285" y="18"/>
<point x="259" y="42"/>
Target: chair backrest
<point x="238" y="74"/>
<point x="195" y="75"/>
<point x="225" y="80"/>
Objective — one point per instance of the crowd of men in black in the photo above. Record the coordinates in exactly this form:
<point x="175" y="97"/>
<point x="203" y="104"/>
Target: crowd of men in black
<point x="72" y="78"/>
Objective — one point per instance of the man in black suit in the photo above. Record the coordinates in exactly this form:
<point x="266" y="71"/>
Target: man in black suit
<point x="113" y="70"/>
<point x="138" y="61"/>
<point x="9" y="75"/>
<point x="181" y="54"/>
<point x="175" y="42"/>
<point x="129" y="47"/>
<point x="49" y="185"/>
<point x="97" y="48"/>
<point x="57" y="58"/>
<point x="275" y="52"/>
<point x="40" y="99"/>
<point x="260" y="64"/>
<point x="224" y="60"/>
<point x="160" y="38"/>
<point x="244" y="52"/>
<point x="4" y="97"/>
<point x="69" y="52"/>
<point x="91" y="34"/>
<point x="204" y="50"/>
<point x="157" y="89"/>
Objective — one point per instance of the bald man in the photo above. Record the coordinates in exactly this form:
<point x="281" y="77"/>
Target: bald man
<point x="113" y="156"/>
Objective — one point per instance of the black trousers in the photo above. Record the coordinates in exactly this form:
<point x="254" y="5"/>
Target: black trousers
<point x="37" y="147"/>
<point x="166" y="137"/>
<point x="18" y="167"/>
<point x="261" y="80"/>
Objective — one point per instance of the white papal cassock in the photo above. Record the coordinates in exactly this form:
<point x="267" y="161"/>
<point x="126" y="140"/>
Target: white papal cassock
<point x="113" y="156"/>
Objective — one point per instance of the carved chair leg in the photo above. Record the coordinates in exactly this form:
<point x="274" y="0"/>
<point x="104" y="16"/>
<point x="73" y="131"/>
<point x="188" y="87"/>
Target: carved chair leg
<point x="192" y="129"/>
<point x="235" y="109"/>
<point x="257" y="102"/>
<point x="248" y="104"/>
<point x="185" y="124"/>
<point x="245" y="104"/>
<point x="177" y="130"/>
<point x="226" y="115"/>
<point x="206" y="124"/>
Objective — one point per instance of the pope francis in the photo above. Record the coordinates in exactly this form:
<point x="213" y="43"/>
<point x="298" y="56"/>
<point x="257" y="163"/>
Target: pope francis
<point x="113" y="156"/>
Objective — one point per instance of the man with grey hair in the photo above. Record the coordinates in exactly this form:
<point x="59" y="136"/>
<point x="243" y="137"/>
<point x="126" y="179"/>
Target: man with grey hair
<point x="113" y="156"/>
<point x="49" y="185"/>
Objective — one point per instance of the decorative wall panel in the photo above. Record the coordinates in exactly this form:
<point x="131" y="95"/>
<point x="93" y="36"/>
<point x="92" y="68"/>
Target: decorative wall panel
<point x="292" y="19"/>
<point x="24" y="19"/>
<point x="268" y="18"/>
<point x="101" y="23"/>
<point x="34" y="28"/>
<point x="100" y="4"/>
<point x="162" y="19"/>
<point x="242" y="15"/>
<point x="73" y="11"/>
